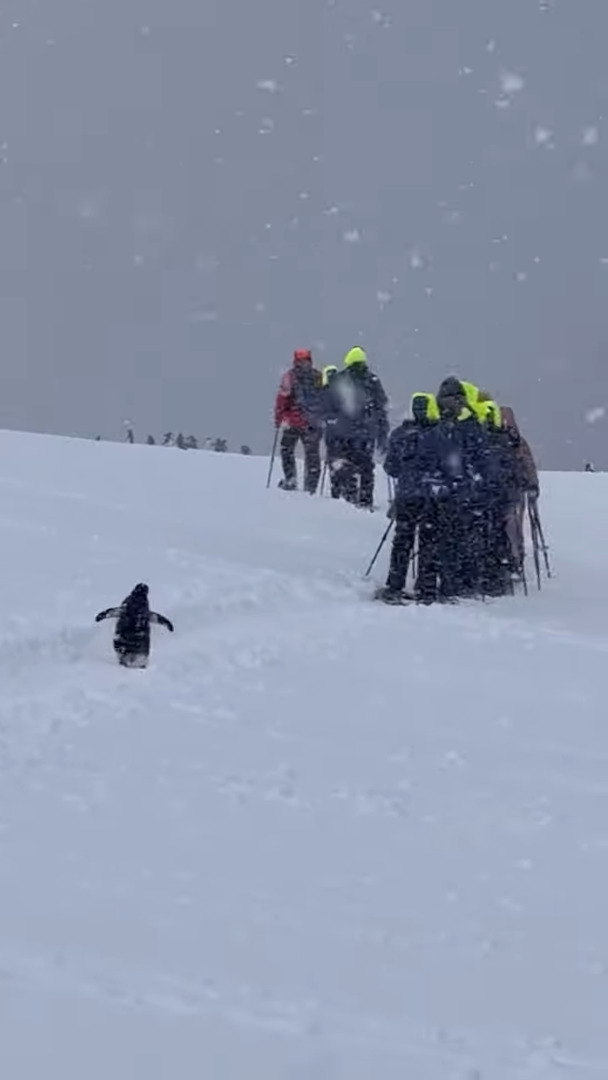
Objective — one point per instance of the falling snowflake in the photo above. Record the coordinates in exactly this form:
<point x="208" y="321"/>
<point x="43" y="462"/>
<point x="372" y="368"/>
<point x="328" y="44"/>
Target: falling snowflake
<point x="352" y="236"/>
<point x="521" y="275"/>
<point x="89" y="208"/>
<point x="266" y="126"/>
<point x="416" y="260"/>
<point x="269" y="85"/>
<point x="591" y="136"/>
<point x="491" y="46"/>
<point x="593" y="415"/>
<point x="383" y="298"/>
<point x="542" y="136"/>
<point x="452" y="217"/>
<point x="511" y="83"/>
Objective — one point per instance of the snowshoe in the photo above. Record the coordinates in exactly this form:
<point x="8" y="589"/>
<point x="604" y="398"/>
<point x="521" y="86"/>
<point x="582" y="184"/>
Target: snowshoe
<point x="393" y="597"/>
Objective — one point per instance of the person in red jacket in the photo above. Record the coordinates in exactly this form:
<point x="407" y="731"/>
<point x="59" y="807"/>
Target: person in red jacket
<point x="298" y="408"/>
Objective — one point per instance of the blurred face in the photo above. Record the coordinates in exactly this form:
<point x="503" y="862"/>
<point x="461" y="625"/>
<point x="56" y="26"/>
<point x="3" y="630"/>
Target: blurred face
<point x="451" y="404"/>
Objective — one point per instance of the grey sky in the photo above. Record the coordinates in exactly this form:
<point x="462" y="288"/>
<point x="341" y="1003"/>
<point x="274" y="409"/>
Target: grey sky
<point x="192" y="188"/>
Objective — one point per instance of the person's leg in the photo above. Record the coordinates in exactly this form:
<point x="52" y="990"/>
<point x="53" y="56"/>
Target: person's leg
<point x="289" y="441"/>
<point x="311" y="440"/>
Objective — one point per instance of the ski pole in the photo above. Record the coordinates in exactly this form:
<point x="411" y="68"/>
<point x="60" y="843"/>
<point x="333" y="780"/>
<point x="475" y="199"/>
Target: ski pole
<point x="272" y="456"/>
<point x="524" y="579"/>
<point x="534" y="535"/>
<point x="533" y="505"/>
<point x="521" y="546"/>
<point x="414" y="559"/>
<point x="323" y="476"/>
<point x="380" y="546"/>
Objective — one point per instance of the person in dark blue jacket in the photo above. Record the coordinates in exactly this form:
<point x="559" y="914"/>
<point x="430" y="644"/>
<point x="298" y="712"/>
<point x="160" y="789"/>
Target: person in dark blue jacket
<point x="356" y="423"/>
<point x="332" y="443"/>
<point x="401" y="464"/>
<point x="503" y="487"/>
<point x="451" y="469"/>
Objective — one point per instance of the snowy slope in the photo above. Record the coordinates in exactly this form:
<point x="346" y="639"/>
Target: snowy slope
<point x="318" y="839"/>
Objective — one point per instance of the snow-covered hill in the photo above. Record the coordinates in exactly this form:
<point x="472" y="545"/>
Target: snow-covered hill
<point x="317" y="839"/>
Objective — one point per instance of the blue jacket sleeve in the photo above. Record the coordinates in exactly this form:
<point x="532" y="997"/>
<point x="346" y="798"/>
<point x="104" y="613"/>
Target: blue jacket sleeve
<point x="400" y="450"/>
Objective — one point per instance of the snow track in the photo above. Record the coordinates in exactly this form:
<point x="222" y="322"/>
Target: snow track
<point x="317" y="839"/>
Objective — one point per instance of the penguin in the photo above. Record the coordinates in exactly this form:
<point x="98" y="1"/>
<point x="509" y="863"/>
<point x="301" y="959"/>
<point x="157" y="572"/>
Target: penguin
<point x="132" y="634"/>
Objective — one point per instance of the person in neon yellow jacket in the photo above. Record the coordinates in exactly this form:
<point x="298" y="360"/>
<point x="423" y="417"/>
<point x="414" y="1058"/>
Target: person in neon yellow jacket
<point x="356" y="423"/>
<point x="504" y="538"/>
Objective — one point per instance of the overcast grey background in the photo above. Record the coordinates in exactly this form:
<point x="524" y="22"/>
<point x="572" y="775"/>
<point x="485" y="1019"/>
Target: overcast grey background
<point x="192" y="188"/>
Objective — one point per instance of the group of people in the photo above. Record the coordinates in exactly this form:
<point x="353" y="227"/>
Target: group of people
<point x="348" y="409"/>
<point x="463" y="472"/>
<point x="461" y="467"/>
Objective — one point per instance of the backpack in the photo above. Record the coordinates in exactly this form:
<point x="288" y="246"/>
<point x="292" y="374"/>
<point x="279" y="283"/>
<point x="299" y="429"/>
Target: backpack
<point x="306" y="391"/>
<point x="450" y="462"/>
<point x="355" y="396"/>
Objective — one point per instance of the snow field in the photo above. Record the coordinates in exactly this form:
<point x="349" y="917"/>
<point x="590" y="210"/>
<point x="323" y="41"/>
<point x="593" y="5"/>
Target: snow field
<point x="317" y="839"/>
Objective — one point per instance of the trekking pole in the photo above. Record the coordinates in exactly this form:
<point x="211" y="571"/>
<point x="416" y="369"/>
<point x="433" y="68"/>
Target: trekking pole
<point x="535" y="545"/>
<point x="413" y="568"/>
<point x="380" y="546"/>
<point x="323" y="476"/>
<point x="522" y="547"/>
<point x="533" y="508"/>
<point x="524" y="579"/>
<point x="272" y="456"/>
